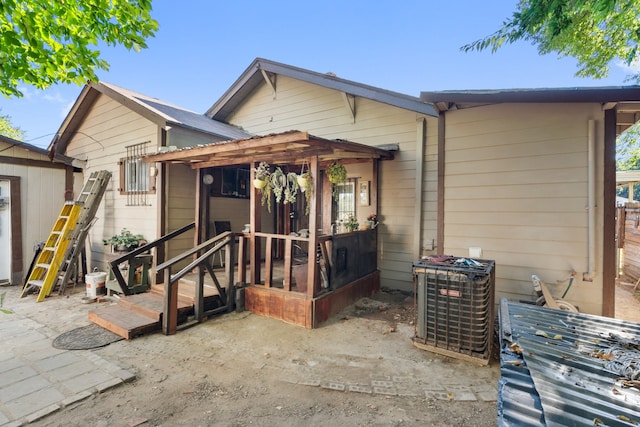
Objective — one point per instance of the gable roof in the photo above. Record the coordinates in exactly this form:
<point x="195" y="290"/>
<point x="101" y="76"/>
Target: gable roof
<point x="155" y="110"/>
<point x="260" y="69"/>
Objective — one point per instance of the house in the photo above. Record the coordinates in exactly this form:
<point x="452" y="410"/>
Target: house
<point x="523" y="177"/>
<point x="33" y="189"/>
<point x="112" y="128"/>
<point x="526" y="176"/>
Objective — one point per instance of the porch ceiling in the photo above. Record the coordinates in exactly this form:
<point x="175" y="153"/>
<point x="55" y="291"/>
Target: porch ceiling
<point x="288" y="147"/>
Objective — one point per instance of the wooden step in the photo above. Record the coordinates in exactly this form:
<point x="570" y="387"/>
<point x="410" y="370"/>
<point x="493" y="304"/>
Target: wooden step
<point x="151" y="304"/>
<point x="124" y="322"/>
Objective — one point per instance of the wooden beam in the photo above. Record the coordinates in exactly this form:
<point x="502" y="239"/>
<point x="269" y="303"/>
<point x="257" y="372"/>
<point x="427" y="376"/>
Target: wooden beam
<point x="441" y="175"/>
<point x="223" y="147"/>
<point x="609" y="216"/>
<point x="270" y="79"/>
<point x="312" y="272"/>
<point x="350" y="102"/>
<point x="274" y="158"/>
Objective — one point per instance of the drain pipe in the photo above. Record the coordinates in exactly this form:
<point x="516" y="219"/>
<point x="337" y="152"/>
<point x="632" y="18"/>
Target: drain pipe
<point x="591" y="208"/>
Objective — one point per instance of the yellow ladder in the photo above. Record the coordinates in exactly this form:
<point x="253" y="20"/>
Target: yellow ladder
<point x="45" y="270"/>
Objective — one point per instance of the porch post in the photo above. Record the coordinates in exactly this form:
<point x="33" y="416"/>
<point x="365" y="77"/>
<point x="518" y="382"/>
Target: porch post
<point x="255" y="218"/>
<point x="312" y="272"/>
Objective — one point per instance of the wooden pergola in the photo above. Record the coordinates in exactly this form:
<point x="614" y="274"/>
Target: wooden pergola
<point x="289" y="148"/>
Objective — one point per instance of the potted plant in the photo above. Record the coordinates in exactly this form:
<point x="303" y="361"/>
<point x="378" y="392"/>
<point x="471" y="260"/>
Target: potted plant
<point x="261" y="175"/>
<point x="337" y="174"/>
<point x="305" y="182"/>
<point x="125" y="241"/>
<point x="351" y="224"/>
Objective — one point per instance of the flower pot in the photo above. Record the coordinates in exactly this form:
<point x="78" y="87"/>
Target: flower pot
<point x="302" y="182"/>
<point x="259" y="183"/>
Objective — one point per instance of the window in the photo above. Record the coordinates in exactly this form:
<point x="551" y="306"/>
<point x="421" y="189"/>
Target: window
<point x="136" y="179"/>
<point x="344" y="201"/>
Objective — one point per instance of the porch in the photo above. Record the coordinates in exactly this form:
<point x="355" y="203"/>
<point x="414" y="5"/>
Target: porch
<point x="290" y="266"/>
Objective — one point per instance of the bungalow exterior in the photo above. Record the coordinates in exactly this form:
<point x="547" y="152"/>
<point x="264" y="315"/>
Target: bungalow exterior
<point x="33" y="189"/>
<point x="526" y="178"/>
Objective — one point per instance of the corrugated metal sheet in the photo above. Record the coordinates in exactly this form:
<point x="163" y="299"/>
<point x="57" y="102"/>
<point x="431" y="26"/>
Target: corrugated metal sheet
<point x="560" y="368"/>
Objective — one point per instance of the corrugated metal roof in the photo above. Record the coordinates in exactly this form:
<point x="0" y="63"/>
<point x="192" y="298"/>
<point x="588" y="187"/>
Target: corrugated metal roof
<point x="179" y="116"/>
<point x="581" y="368"/>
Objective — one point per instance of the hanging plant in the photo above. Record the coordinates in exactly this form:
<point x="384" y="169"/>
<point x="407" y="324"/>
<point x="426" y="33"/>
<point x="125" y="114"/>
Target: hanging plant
<point x="291" y="188"/>
<point x="262" y="181"/>
<point x="305" y="182"/>
<point x="337" y="174"/>
<point x="278" y="182"/>
<point x="261" y="175"/>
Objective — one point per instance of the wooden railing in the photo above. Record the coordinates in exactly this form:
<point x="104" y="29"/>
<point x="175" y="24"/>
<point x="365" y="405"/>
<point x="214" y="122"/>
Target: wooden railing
<point x="313" y="264"/>
<point x="130" y="258"/>
<point x="203" y="254"/>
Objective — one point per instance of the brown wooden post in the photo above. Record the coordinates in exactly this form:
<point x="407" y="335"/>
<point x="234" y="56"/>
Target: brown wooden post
<point x="170" y="309"/>
<point x="242" y="260"/>
<point x="312" y="272"/>
<point x="255" y="220"/>
<point x="288" y="247"/>
<point x="229" y="263"/>
<point x="268" y="263"/>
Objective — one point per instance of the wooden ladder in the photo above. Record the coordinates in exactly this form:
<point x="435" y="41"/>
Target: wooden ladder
<point x="89" y="198"/>
<point x="45" y="270"/>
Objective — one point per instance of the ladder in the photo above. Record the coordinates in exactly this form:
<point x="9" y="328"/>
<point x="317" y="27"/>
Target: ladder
<point x="45" y="270"/>
<point x="89" y="198"/>
<point x="60" y="252"/>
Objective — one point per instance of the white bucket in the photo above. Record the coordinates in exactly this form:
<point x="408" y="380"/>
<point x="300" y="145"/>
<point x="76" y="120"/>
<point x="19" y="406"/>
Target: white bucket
<point x="95" y="284"/>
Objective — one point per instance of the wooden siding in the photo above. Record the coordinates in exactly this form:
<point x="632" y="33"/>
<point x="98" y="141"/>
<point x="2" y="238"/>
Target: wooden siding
<point x="322" y="112"/>
<point x="516" y="186"/>
<point x="181" y="207"/>
<point x="101" y="140"/>
<point x="42" y="197"/>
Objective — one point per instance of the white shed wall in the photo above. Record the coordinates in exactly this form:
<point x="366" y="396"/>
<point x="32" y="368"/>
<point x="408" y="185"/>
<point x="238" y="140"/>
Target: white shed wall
<point x="42" y="198"/>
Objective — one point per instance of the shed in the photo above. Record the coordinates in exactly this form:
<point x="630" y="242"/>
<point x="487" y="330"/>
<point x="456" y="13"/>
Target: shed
<point x="33" y="189"/>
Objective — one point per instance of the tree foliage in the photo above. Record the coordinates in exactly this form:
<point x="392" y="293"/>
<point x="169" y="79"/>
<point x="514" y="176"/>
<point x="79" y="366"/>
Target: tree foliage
<point x="8" y="130"/>
<point x="628" y="157"/>
<point x="595" y="32"/>
<point x="43" y="42"/>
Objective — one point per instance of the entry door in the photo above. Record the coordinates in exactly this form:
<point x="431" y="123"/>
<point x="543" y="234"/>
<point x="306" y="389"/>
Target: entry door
<point x="5" y="231"/>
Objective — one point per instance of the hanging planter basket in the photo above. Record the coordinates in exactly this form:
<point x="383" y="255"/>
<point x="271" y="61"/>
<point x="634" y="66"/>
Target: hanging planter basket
<point x="259" y="183"/>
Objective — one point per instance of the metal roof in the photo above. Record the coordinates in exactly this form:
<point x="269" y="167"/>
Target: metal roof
<point x="155" y="110"/>
<point x="561" y="368"/>
<point x="253" y="77"/>
<point x="283" y="148"/>
<point x="574" y="94"/>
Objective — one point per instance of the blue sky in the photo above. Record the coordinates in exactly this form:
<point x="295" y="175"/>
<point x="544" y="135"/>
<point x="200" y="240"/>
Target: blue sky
<point x="408" y="46"/>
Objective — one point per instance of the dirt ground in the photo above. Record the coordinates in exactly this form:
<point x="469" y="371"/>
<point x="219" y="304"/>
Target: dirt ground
<point x="241" y="369"/>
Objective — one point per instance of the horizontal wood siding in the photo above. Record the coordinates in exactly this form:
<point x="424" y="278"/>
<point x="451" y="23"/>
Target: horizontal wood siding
<point x="516" y="186"/>
<point x="41" y="194"/>
<point x="322" y="112"/>
<point x="101" y="140"/>
<point x="181" y="208"/>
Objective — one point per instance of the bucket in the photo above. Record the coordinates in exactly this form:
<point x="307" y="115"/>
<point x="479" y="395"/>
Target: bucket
<point x="95" y="284"/>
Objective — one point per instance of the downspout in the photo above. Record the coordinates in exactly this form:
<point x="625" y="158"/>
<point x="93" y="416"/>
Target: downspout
<point x="421" y="139"/>
<point x="591" y="208"/>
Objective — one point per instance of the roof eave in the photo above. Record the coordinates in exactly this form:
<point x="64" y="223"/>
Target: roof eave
<point x="251" y="78"/>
